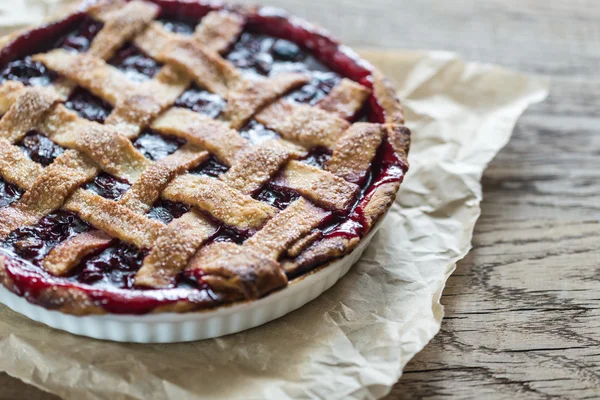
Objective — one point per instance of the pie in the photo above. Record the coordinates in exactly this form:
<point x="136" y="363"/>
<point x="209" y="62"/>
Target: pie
<point x="175" y="156"/>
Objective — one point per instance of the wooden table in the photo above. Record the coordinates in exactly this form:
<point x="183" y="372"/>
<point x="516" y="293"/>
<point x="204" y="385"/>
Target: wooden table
<point x="523" y="310"/>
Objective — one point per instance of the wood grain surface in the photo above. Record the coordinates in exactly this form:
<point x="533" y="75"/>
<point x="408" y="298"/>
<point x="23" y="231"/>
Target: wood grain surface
<point x="523" y="310"/>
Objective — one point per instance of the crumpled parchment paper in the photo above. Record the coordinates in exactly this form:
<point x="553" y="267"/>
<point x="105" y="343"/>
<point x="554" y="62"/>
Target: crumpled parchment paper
<point x="354" y="340"/>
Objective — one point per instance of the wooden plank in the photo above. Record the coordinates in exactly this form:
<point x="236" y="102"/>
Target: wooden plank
<point x="522" y="317"/>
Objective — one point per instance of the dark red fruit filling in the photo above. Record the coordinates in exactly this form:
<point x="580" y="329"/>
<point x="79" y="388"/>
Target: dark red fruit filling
<point x="136" y="65"/>
<point x="265" y="55"/>
<point x="28" y="72"/>
<point x="318" y="157"/>
<point x="179" y="27"/>
<point x="166" y="211"/>
<point x="9" y="193"/>
<point x="155" y="146"/>
<point x="387" y="168"/>
<point x="33" y="243"/>
<point x="201" y="101"/>
<point x="33" y="73"/>
<point x="225" y="234"/>
<point x="113" y="268"/>
<point x="257" y="133"/>
<point x="39" y="148"/>
<point x="284" y="50"/>
<point x="252" y="53"/>
<point x="320" y="86"/>
<point x="88" y="106"/>
<point x="277" y="196"/>
<point x="108" y="186"/>
<point x="211" y="167"/>
<point x="81" y="38"/>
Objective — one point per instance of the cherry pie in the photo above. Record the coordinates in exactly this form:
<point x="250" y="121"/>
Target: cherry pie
<point x="172" y="155"/>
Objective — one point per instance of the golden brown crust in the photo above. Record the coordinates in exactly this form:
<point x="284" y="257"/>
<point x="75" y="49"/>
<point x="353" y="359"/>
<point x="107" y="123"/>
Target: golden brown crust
<point x="249" y="96"/>
<point x="219" y="30"/>
<point x="399" y="137"/>
<point x="139" y="109"/>
<point x="309" y="126"/>
<point x="112" y="152"/>
<point x="204" y="66"/>
<point x="255" y="167"/>
<point x="214" y="136"/>
<point x="121" y="24"/>
<point x="26" y="113"/>
<point x="380" y="202"/>
<point x="387" y="99"/>
<point x="291" y="224"/>
<point x="16" y="168"/>
<point x="355" y="150"/>
<point x="240" y="271"/>
<point x="322" y="187"/>
<point x="221" y="201"/>
<point x="297" y="248"/>
<point x="92" y="73"/>
<point x="318" y="253"/>
<point x="53" y="187"/>
<point x="173" y="250"/>
<point x="346" y="99"/>
<point x="114" y="219"/>
<point x="67" y="255"/>
<point x="148" y="188"/>
<point x="154" y="40"/>
<point x="10" y="91"/>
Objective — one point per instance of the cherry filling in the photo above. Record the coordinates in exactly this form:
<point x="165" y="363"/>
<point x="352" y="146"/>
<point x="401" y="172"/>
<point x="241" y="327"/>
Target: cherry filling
<point x="166" y="211"/>
<point x="115" y="266"/>
<point x="211" y="167"/>
<point x="88" y="106"/>
<point x="320" y="86"/>
<point x="318" y="157"/>
<point x="155" y="146"/>
<point x="81" y="38"/>
<point x="33" y="73"/>
<point x="179" y="27"/>
<point x="28" y="72"/>
<point x="39" y="148"/>
<point x="387" y="168"/>
<point x="201" y="101"/>
<point x="225" y="234"/>
<point x="108" y="186"/>
<point x="9" y="193"/>
<point x="257" y="133"/>
<point x="108" y="276"/>
<point x="137" y="66"/>
<point x="276" y="196"/>
<point x="33" y="243"/>
<point x="265" y="55"/>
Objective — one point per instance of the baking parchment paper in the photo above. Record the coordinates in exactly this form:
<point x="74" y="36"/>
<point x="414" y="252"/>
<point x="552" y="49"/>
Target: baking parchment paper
<point x="354" y="340"/>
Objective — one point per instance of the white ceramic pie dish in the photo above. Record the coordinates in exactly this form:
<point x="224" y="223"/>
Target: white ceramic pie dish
<point x="187" y="327"/>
